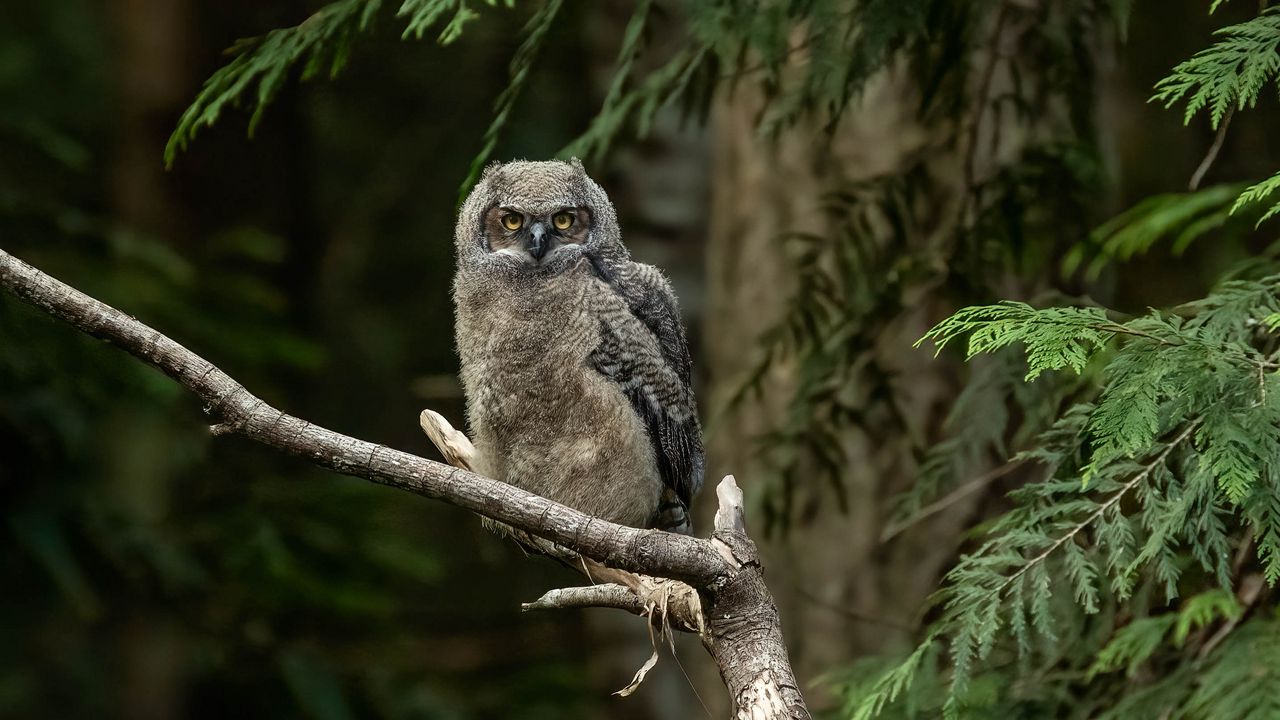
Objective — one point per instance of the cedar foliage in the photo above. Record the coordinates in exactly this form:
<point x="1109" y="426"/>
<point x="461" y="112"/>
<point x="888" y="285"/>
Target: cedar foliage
<point x="322" y="44"/>
<point x="1131" y="578"/>
<point x="1150" y="489"/>
<point x="676" y="54"/>
<point x="1122" y="584"/>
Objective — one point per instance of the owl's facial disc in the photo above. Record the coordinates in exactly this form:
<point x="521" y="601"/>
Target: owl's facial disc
<point x="535" y="237"/>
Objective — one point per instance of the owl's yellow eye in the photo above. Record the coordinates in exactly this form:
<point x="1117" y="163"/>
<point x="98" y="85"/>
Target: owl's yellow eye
<point x="512" y="221"/>
<point x="562" y="220"/>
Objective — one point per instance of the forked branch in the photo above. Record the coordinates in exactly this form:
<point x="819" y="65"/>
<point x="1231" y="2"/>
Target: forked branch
<point x="743" y="633"/>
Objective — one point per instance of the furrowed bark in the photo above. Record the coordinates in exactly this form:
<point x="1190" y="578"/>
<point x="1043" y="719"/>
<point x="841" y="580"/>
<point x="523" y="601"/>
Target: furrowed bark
<point x="741" y="618"/>
<point x="744" y="630"/>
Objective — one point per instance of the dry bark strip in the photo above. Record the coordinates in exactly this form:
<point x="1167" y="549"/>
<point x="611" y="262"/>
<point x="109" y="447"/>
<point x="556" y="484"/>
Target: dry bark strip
<point x="742" y="630"/>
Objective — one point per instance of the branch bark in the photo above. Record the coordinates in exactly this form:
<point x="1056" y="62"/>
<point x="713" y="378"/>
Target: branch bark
<point x="742" y="629"/>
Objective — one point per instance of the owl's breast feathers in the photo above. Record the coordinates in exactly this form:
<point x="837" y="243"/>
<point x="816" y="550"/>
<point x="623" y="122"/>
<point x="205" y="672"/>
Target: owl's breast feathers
<point x="596" y="359"/>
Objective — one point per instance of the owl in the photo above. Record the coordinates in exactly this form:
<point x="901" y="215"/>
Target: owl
<point x="574" y="360"/>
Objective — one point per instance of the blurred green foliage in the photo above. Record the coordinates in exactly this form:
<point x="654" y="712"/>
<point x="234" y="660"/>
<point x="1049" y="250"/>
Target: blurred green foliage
<point x="162" y="574"/>
<point x="152" y="572"/>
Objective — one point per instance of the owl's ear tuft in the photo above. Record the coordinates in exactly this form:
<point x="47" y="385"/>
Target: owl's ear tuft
<point x="576" y="164"/>
<point x="490" y="169"/>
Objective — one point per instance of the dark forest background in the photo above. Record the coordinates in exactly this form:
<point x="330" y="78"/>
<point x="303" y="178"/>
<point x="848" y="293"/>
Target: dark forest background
<point x="151" y="571"/>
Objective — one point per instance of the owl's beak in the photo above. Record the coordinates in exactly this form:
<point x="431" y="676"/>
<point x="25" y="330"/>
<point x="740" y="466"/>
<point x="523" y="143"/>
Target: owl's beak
<point x="537" y="242"/>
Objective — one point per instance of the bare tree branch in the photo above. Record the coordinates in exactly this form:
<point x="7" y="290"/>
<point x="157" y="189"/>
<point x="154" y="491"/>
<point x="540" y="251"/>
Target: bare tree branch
<point x="743" y="631"/>
<point x="238" y="411"/>
<point x="951" y="498"/>
<point x="667" y="601"/>
<point x="609" y="595"/>
<point x="1203" y="168"/>
<point x="453" y="444"/>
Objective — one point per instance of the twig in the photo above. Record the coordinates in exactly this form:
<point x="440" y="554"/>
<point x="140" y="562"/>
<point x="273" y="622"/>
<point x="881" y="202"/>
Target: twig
<point x="1212" y="155"/>
<point x="1242" y="554"/>
<point x="608" y="595"/>
<point x="1250" y="590"/>
<point x="1247" y="595"/>
<point x="854" y="614"/>
<point x="678" y="601"/>
<point x="453" y="444"/>
<point x="950" y="499"/>
<point x="762" y="65"/>
<point x="1117" y="328"/>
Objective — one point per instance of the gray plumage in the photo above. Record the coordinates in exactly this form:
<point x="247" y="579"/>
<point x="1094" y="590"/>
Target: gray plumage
<point x="574" y="361"/>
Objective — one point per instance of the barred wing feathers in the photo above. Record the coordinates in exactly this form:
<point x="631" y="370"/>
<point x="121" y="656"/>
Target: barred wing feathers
<point x="650" y="361"/>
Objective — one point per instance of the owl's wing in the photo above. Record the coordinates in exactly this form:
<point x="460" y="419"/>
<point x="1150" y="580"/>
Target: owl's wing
<point x="643" y="349"/>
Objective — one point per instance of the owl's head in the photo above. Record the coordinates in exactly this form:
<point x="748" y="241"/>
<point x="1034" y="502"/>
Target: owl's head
<point x="536" y="217"/>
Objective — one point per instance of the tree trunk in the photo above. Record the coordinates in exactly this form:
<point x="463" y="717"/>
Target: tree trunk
<point x="153" y="81"/>
<point x="841" y="593"/>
